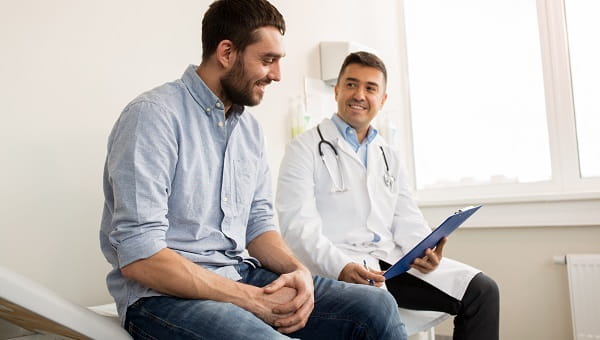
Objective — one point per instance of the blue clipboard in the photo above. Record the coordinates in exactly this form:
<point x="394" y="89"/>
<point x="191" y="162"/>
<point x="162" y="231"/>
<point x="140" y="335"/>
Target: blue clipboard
<point x="447" y="227"/>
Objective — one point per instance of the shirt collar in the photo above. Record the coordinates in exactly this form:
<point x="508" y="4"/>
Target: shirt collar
<point x="349" y="133"/>
<point x="203" y="95"/>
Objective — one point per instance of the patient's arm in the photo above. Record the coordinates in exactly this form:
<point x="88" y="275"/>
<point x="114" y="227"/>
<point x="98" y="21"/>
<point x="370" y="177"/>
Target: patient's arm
<point x="170" y="273"/>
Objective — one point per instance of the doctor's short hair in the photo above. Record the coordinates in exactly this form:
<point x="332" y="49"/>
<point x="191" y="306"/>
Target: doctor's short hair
<point x="237" y="21"/>
<point x="365" y="59"/>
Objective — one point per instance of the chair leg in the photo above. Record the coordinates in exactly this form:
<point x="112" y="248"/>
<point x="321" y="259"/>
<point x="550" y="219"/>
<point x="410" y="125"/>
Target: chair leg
<point x="431" y="334"/>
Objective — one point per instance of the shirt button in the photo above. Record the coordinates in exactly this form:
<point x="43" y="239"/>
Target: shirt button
<point x="208" y="109"/>
<point x="225" y="199"/>
<point x="220" y="124"/>
<point x="218" y="105"/>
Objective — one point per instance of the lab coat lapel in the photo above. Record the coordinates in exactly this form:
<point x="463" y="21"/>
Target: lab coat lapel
<point x="375" y="161"/>
<point x="332" y="133"/>
<point x="346" y="148"/>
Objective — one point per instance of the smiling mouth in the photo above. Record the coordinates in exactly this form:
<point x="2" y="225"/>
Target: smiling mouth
<point x="355" y="106"/>
<point x="261" y="84"/>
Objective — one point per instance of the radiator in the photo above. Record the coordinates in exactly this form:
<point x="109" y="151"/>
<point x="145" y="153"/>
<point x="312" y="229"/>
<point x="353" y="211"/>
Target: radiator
<point x="584" y="289"/>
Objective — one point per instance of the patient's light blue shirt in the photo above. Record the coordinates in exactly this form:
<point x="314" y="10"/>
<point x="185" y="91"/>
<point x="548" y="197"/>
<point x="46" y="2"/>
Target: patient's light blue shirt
<point x="179" y="176"/>
<point x="349" y="134"/>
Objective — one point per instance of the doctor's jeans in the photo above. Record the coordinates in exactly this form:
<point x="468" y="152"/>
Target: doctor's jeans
<point x="342" y="311"/>
<point x="477" y="314"/>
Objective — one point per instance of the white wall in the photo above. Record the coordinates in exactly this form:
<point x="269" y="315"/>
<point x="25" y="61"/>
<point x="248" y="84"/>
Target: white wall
<point x="67" y="68"/>
<point x="534" y="301"/>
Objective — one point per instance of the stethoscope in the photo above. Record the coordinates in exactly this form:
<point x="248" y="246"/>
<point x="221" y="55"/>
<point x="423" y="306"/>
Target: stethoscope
<point x="388" y="179"/>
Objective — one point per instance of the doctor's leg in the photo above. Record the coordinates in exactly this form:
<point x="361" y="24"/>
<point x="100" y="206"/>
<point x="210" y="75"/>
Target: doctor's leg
<point x="351" y="311"/>
<point x="477" y="314"/>
<point x="342" y="310"/>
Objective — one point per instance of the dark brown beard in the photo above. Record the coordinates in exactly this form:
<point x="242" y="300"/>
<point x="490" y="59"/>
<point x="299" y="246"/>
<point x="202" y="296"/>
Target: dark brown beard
<point x="236" y="88"/>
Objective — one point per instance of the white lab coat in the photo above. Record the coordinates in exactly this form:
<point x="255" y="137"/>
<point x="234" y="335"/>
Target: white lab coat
<point x="327" y="230"/>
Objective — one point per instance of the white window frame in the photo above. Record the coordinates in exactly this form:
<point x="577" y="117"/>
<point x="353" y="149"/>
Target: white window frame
<point x="565" y="200"/>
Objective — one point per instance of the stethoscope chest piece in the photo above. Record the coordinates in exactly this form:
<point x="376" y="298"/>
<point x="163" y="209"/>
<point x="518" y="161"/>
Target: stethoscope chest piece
<point x="388" y="179"/>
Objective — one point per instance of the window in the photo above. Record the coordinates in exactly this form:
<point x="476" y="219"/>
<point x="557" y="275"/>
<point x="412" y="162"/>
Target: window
<point x="477" y="93"/>
<point x="583" y="28"/>
<point x="503" y="106"/>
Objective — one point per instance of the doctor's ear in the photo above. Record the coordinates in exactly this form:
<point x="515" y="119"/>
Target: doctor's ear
<point x="383" y="99"/>
<point x="226" y="53"/>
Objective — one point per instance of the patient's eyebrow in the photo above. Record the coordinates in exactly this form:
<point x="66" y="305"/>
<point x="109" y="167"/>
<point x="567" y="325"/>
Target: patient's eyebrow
<point x="273" y="55"/>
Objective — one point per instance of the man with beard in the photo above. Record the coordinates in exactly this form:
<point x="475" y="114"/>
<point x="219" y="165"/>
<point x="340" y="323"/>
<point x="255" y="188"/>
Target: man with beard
<point x="187" y="191"/>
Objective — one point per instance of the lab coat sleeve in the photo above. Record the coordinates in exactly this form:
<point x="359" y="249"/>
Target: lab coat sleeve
<point x="408" y="226"/>
<point x="299" y="219"/>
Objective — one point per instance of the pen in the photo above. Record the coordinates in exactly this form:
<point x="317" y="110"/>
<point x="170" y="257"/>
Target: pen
<point x="367" y="268"/>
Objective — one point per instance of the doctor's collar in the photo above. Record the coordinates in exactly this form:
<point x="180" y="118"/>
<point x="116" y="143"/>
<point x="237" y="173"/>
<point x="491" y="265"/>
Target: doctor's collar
<point x="349" y="133"/>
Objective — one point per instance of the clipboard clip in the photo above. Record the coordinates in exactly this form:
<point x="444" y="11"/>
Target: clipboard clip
<point x="464" y="209"/>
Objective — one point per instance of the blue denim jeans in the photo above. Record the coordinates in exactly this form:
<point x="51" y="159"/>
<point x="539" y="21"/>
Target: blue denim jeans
<point x="342" y="311"/>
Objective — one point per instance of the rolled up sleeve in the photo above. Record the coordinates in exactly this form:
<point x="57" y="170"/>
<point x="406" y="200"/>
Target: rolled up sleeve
<point x="261" y="218"/>
<point x="141" y="162"/>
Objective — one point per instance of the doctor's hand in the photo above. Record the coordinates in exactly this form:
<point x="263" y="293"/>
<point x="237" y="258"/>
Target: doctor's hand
<point x="357" y="273"/>
<point x="294" y="314"/>
<point x="432" y="258"/>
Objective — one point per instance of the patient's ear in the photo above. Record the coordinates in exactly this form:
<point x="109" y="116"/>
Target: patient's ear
<point x="225" y="54"/>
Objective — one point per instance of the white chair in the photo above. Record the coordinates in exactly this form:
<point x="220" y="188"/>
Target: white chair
<point x="29" y="305"/>
<point x="419" y="324"/>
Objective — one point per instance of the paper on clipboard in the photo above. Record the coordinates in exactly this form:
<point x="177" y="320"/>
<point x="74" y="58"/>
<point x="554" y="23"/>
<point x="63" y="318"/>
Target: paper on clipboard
<point x="447" y="227"/>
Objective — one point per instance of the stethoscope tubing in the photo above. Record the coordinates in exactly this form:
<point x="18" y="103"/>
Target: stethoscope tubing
<point x="388" y="178"/>
<point x="336" y="187"/>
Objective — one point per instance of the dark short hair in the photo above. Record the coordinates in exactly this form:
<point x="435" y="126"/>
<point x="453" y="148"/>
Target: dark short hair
<point x="237" y="20"/>
<point x="365" y="59"/>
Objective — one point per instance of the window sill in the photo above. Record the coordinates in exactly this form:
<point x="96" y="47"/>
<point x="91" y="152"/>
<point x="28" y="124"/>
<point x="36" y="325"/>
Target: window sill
<point x="562" y="210"/>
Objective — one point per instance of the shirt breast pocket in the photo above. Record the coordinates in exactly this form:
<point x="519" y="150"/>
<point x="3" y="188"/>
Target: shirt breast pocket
<point x="245" y="182"/>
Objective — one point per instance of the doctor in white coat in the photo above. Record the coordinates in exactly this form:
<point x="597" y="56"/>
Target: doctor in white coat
<point x="343" y="200"/>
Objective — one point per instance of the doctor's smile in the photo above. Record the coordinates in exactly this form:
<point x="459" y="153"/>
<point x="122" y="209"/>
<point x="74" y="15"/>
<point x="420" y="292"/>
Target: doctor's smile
<point x="355" y="106"/>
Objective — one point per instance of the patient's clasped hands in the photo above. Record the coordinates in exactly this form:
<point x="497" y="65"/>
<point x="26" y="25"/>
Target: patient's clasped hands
<point x="287" y="302"/>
